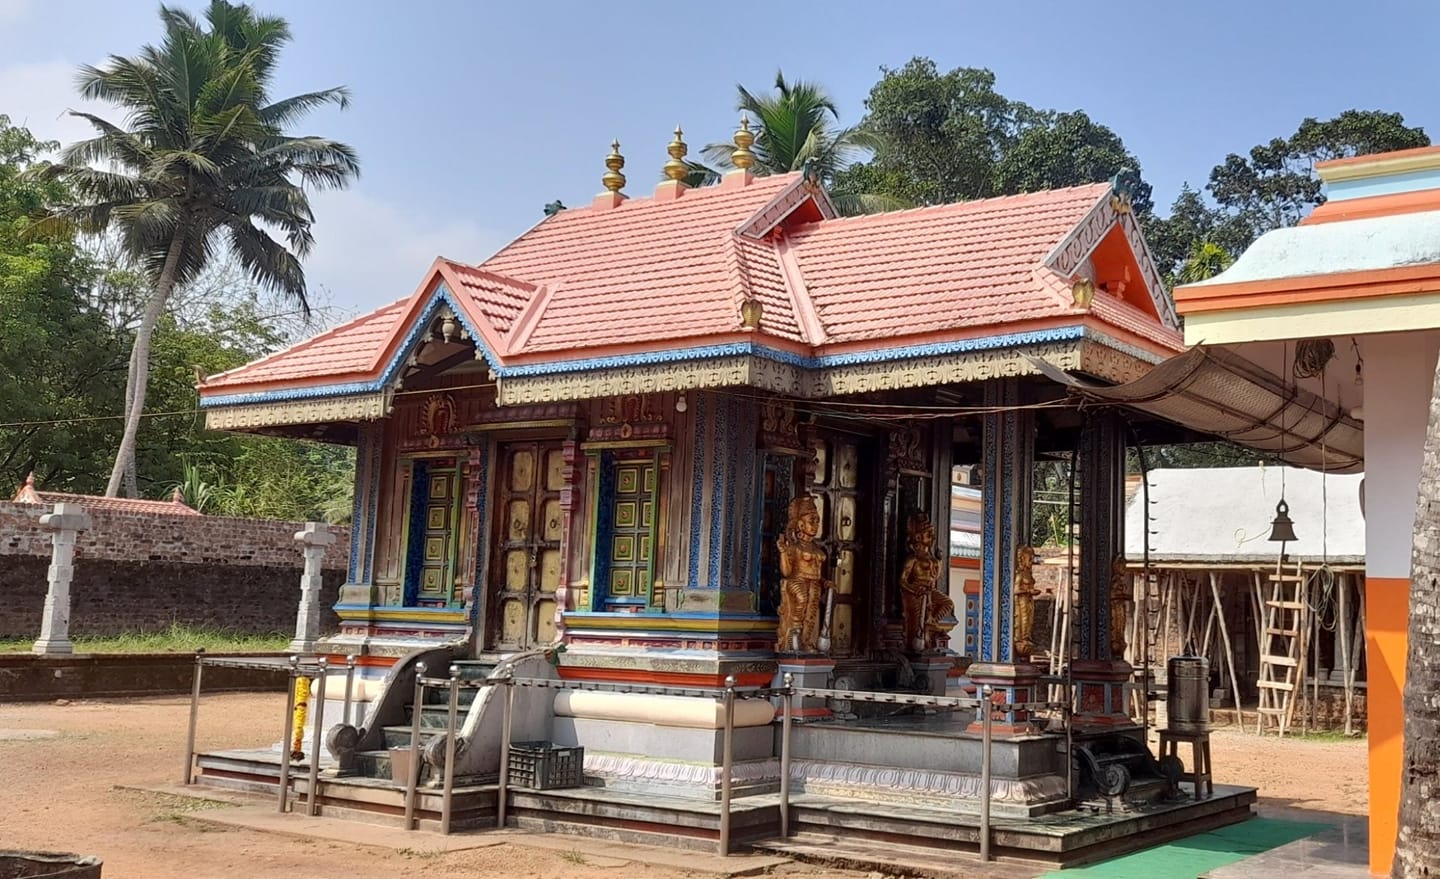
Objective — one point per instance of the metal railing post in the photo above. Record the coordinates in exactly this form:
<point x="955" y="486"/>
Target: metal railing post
<point x="317" y="737"/>
<point x="285" y="733"/>
<point x="502" y="793"/>
<point x="987" y="721"/>
<point x="189" y="776"/>
<point x="349" y="688"/>
<point x="412" y="774"/>
<point x="787" y="700"/>
<point x="449" y="785"/>
<point x="727" y="764"/>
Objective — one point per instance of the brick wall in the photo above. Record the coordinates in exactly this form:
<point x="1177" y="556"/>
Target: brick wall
<point x="136" y="572"/>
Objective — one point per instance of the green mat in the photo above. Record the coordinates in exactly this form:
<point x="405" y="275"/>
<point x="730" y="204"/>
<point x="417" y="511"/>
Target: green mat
<point x="1194" y="855"/>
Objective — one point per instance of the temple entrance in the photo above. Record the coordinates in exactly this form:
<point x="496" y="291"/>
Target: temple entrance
<point x="524" y="568"/>
<point x="431" y="549"/>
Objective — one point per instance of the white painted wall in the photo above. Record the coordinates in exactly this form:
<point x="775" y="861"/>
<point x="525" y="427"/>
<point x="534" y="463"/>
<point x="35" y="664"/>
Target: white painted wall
<point x="1398" y="373"/>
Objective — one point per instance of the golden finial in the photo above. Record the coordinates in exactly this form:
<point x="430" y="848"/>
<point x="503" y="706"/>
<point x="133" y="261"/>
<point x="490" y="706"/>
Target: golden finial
<point x="742" y="158"/>
<point x="613" y="179"/>
<point x="676" y="169"/>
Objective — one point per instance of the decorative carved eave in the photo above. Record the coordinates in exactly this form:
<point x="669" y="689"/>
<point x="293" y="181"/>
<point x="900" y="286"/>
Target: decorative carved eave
<point x="356" y="407"/>
<point x="1073" y="349"/>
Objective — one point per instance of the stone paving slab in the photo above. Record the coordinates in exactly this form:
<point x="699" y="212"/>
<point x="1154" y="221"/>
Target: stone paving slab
<point x="258" y="813"/>
<point x="1340" y="852"/>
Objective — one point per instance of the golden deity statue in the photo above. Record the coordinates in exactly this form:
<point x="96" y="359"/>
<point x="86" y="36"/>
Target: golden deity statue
<point x="1024" y="595"/>
<point x="1121" y="593"/>
<point x="928" y="610"/>
<point x="802" y="582"/>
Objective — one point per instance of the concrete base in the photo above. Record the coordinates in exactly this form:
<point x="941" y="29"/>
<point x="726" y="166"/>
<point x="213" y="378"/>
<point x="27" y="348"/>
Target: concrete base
<point x="1100" y="694"/>
<point x="810" y="672"/>
<point x="53" y="647"/>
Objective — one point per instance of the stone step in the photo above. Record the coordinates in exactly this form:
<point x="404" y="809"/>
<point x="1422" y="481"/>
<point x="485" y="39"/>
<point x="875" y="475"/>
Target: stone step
<point x="891" y="858"/>
<point x="399" y="736"/>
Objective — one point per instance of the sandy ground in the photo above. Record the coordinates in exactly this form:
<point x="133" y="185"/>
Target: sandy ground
<point x="63" y="764"/>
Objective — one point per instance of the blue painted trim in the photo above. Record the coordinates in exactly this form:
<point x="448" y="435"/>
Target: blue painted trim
<point x="416" y="611"/>
<point x="482" y="540"/>
<point x="697" y="441"/>
<point x="372" y="492"/>
<point x="719" y="509"/>
<point x="1386" y="184"/>
<point x="990" y="507"/>
<point x="440" y="295"/>
<point x="674" y="355"/>
<point x="357" y="507"/>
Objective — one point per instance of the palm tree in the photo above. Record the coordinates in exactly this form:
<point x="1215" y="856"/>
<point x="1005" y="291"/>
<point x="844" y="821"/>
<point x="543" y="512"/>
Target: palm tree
<point x="1206" y="260"/>
<point x="797" y="130"/>
<point x="202" y="165"/>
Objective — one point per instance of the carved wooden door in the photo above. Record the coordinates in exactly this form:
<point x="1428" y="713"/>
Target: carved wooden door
<point x="836" y="487"/>
<point x="525" y="562"/>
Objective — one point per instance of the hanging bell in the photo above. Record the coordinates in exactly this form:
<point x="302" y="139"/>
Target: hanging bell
<point x="1282" y="529"/>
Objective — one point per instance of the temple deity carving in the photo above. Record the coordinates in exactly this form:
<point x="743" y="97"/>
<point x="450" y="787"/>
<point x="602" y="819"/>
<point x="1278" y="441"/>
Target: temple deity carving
<point x="1120" y="596"/>
<point x="1024" y="594"/>
<point x="928" y="611"/>
<point x="802" y="582"/>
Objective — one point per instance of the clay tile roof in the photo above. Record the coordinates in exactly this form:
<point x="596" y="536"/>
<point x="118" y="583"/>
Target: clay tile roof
<point x="948" y="267"/>
<point x="498" y="298"/>
<point x="647" y="271"/>
<point x="346" y="350"/>
<point x="173" y="507"/>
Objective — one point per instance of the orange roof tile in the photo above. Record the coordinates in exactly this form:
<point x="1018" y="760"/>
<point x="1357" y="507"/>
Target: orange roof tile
<point x="656" y="273"/>
<point x="173" y="507"/>
<point x="346" y="350"/>
<point x="646" y="270"/>
<point x="950" y="267"/>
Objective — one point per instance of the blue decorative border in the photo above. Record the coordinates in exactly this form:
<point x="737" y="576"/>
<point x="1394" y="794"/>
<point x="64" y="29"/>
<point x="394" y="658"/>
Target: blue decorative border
<point x="357" y="506"/>
<point x="675" y="355"/>
<point x="372" y="490"/>
<point x="719" y="507"/>
<point x="990" y="507"/>
<point x="482" y="540"/>
<point x="697" y="441"/>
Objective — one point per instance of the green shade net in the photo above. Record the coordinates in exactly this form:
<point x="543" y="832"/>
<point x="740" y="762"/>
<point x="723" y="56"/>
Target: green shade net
<point x="1195" y="855"/>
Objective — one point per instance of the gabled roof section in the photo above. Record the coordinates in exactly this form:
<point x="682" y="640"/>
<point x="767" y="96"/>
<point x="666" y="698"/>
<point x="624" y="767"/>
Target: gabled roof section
<point x="939" y="269"/>
<point x="665" y="279"/>
<point x="648" y="270"/>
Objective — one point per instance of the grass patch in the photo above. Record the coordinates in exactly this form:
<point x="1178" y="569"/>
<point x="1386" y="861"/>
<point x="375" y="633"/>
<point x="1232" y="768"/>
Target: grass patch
<point x="1329" y="735"/>
<point x="424" y="854"/>
<point x="573" y="857"/>
<point x="179" y="638"/>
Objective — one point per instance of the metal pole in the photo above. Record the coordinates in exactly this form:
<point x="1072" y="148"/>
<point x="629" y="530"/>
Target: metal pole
<point x="413" y="773"/>
<point x="285" y="732"/>
<point x="317" y="735"/>
<point x="188" y="777"/>
<point x="788" y="701"/>
<point x="349" y="685"/>
<point x="727" y="764"/>
<point x="502" y="792"/>
<point x="450" y="749"/>
<point x="987" y="720"/>
<point x="1068" y="715"/>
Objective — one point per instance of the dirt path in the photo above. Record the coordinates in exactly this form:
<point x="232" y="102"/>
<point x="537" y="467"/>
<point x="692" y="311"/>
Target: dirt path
<point x="63" y="762"/>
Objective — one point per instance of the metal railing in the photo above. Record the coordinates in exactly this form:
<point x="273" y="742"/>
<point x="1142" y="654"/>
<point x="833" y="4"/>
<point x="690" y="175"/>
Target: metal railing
<point x="295" y="667"/>
<point x="727" y="696"/>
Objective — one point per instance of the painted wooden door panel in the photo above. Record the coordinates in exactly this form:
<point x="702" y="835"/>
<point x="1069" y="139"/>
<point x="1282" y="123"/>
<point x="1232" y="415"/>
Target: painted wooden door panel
<point x="525" y="573"/>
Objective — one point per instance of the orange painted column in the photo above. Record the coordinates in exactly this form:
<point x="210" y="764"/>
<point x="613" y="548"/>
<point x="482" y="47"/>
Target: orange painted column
<point x="1387" y="603"/>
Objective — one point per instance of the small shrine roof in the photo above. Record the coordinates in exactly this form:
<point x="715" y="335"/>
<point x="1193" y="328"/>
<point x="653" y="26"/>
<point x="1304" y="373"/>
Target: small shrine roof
<point x="28" y="494"/>
<point x="670" y="275"/>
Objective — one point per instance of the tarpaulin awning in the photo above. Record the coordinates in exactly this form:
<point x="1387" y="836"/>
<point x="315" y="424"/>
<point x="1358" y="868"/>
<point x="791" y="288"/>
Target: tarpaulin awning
<point x="1217" y="392"/>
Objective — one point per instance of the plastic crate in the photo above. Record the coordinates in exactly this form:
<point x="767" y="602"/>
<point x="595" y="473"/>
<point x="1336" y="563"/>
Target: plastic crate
<point x="546" y="766"/>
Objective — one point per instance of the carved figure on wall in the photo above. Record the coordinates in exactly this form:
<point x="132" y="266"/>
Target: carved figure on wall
<point x="802" y="582"/>
<point x="1120" y="595"/>
<point x="928" y="611"/>
<point x="1024" y="595"/>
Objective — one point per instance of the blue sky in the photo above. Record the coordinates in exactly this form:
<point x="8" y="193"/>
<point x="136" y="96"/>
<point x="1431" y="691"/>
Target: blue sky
<point x="470" y="116"/>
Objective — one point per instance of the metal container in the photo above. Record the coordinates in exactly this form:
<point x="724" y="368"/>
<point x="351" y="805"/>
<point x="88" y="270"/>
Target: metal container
<point x="1187" y="703"/>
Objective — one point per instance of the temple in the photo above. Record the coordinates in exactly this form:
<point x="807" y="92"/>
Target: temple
<point x="708" y="433"/>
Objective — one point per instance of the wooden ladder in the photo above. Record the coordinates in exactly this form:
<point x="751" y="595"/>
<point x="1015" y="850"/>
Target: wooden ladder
<point x="1283" y="645"/>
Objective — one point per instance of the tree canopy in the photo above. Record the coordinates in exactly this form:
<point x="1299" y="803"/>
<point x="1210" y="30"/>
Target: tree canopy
<point x="204" y="165"/>
<point x="947" y="137"/>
